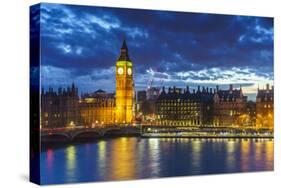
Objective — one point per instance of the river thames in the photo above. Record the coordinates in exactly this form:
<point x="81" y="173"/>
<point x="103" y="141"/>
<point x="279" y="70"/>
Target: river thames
<point x="127" y="158"/>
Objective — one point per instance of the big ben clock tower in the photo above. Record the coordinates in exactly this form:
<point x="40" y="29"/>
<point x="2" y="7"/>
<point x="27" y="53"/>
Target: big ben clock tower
<point x="124" y="87"/>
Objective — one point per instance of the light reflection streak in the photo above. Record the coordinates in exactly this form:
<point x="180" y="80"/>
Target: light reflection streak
<point x="50" y="158"/>
<point x="71" y="163"/>
<point x="258" y="152"/>
<point x="102" y="160"/>
<point x="231" y="146"/>
<point x="269" y="147"/>
<point x="123" y="164"/>
<point x="196" y="146"/>
<point x="154" y="152"/>
<point x="245" y="150"/>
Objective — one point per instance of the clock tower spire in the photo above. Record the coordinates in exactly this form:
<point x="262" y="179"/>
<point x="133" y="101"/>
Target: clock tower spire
<point x="124" y="87"/>
<point x="124" y="55"/>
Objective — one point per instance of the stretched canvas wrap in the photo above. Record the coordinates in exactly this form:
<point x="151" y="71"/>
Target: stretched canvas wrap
<point x="123" y="94"/>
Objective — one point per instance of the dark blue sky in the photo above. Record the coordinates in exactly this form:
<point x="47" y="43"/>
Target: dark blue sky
<point x="82" y="43"/>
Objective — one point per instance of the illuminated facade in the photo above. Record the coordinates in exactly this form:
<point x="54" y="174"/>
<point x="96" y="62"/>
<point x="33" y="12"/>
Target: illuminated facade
<point x="175" y="107"/>
<point x="229" y="106"/>
<point x="264" y="107"/>
<point x="124" y="87"/>
<point x="146" y="103"/>
<point x="97" y="108"/>
<point x="249" y="119"/>
<point x="60" y="108"/>
<point x="179" y="107"/>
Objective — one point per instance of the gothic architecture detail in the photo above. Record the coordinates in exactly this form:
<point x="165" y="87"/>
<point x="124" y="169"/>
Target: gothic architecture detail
<point x="178" y="107"/>
<point x="265" y="106"/>
<point x="124" y="87"/>
<point x="201" y="107"/>
<point x="97" y="108"/>
<point x="60" y="108"/>
<point x="229" y="106"/>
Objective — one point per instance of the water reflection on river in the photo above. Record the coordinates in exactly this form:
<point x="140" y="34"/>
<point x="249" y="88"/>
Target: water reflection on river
<point x="132" y="158"/>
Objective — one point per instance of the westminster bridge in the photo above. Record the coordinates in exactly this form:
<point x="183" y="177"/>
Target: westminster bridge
<point x="83" y="133"/>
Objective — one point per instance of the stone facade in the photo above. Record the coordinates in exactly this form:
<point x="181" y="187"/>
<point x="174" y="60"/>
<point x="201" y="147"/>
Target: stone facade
<point x="97" y="108"/>
<point x="60" y="108"/>
<point x="178" y="107"/>
<point x="124" y="88"/>
<point x="229" y="106"/>
<point x="265" y="107"/>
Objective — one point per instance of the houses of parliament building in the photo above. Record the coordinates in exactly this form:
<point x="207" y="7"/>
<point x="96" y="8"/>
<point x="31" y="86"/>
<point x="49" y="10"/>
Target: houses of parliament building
<point x="172" y="107"/>
<point x="64" y="108"/>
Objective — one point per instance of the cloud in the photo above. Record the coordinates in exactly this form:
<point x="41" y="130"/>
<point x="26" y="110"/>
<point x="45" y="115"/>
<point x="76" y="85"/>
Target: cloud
<point x="248" y="78"/>
<point x="54" y="76"/>
<point x="224" y="76"/>
<point x="173" y="47"/>
<point x="106" y="22"/>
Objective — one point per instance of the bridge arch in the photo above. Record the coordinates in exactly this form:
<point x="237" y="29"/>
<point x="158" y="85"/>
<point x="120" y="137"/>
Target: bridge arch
<point x="115" y="131"/>
<point x="86" y="134"/>
<point x="55" y="137"/>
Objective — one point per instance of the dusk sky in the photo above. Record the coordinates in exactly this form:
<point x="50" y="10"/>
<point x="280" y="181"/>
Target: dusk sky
<point x="81" y="44"/>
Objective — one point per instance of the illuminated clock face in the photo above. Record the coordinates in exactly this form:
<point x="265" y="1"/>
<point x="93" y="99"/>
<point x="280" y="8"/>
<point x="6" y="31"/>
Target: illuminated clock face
<point x="120" y="70"/>
<point x="129" y="71"/>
